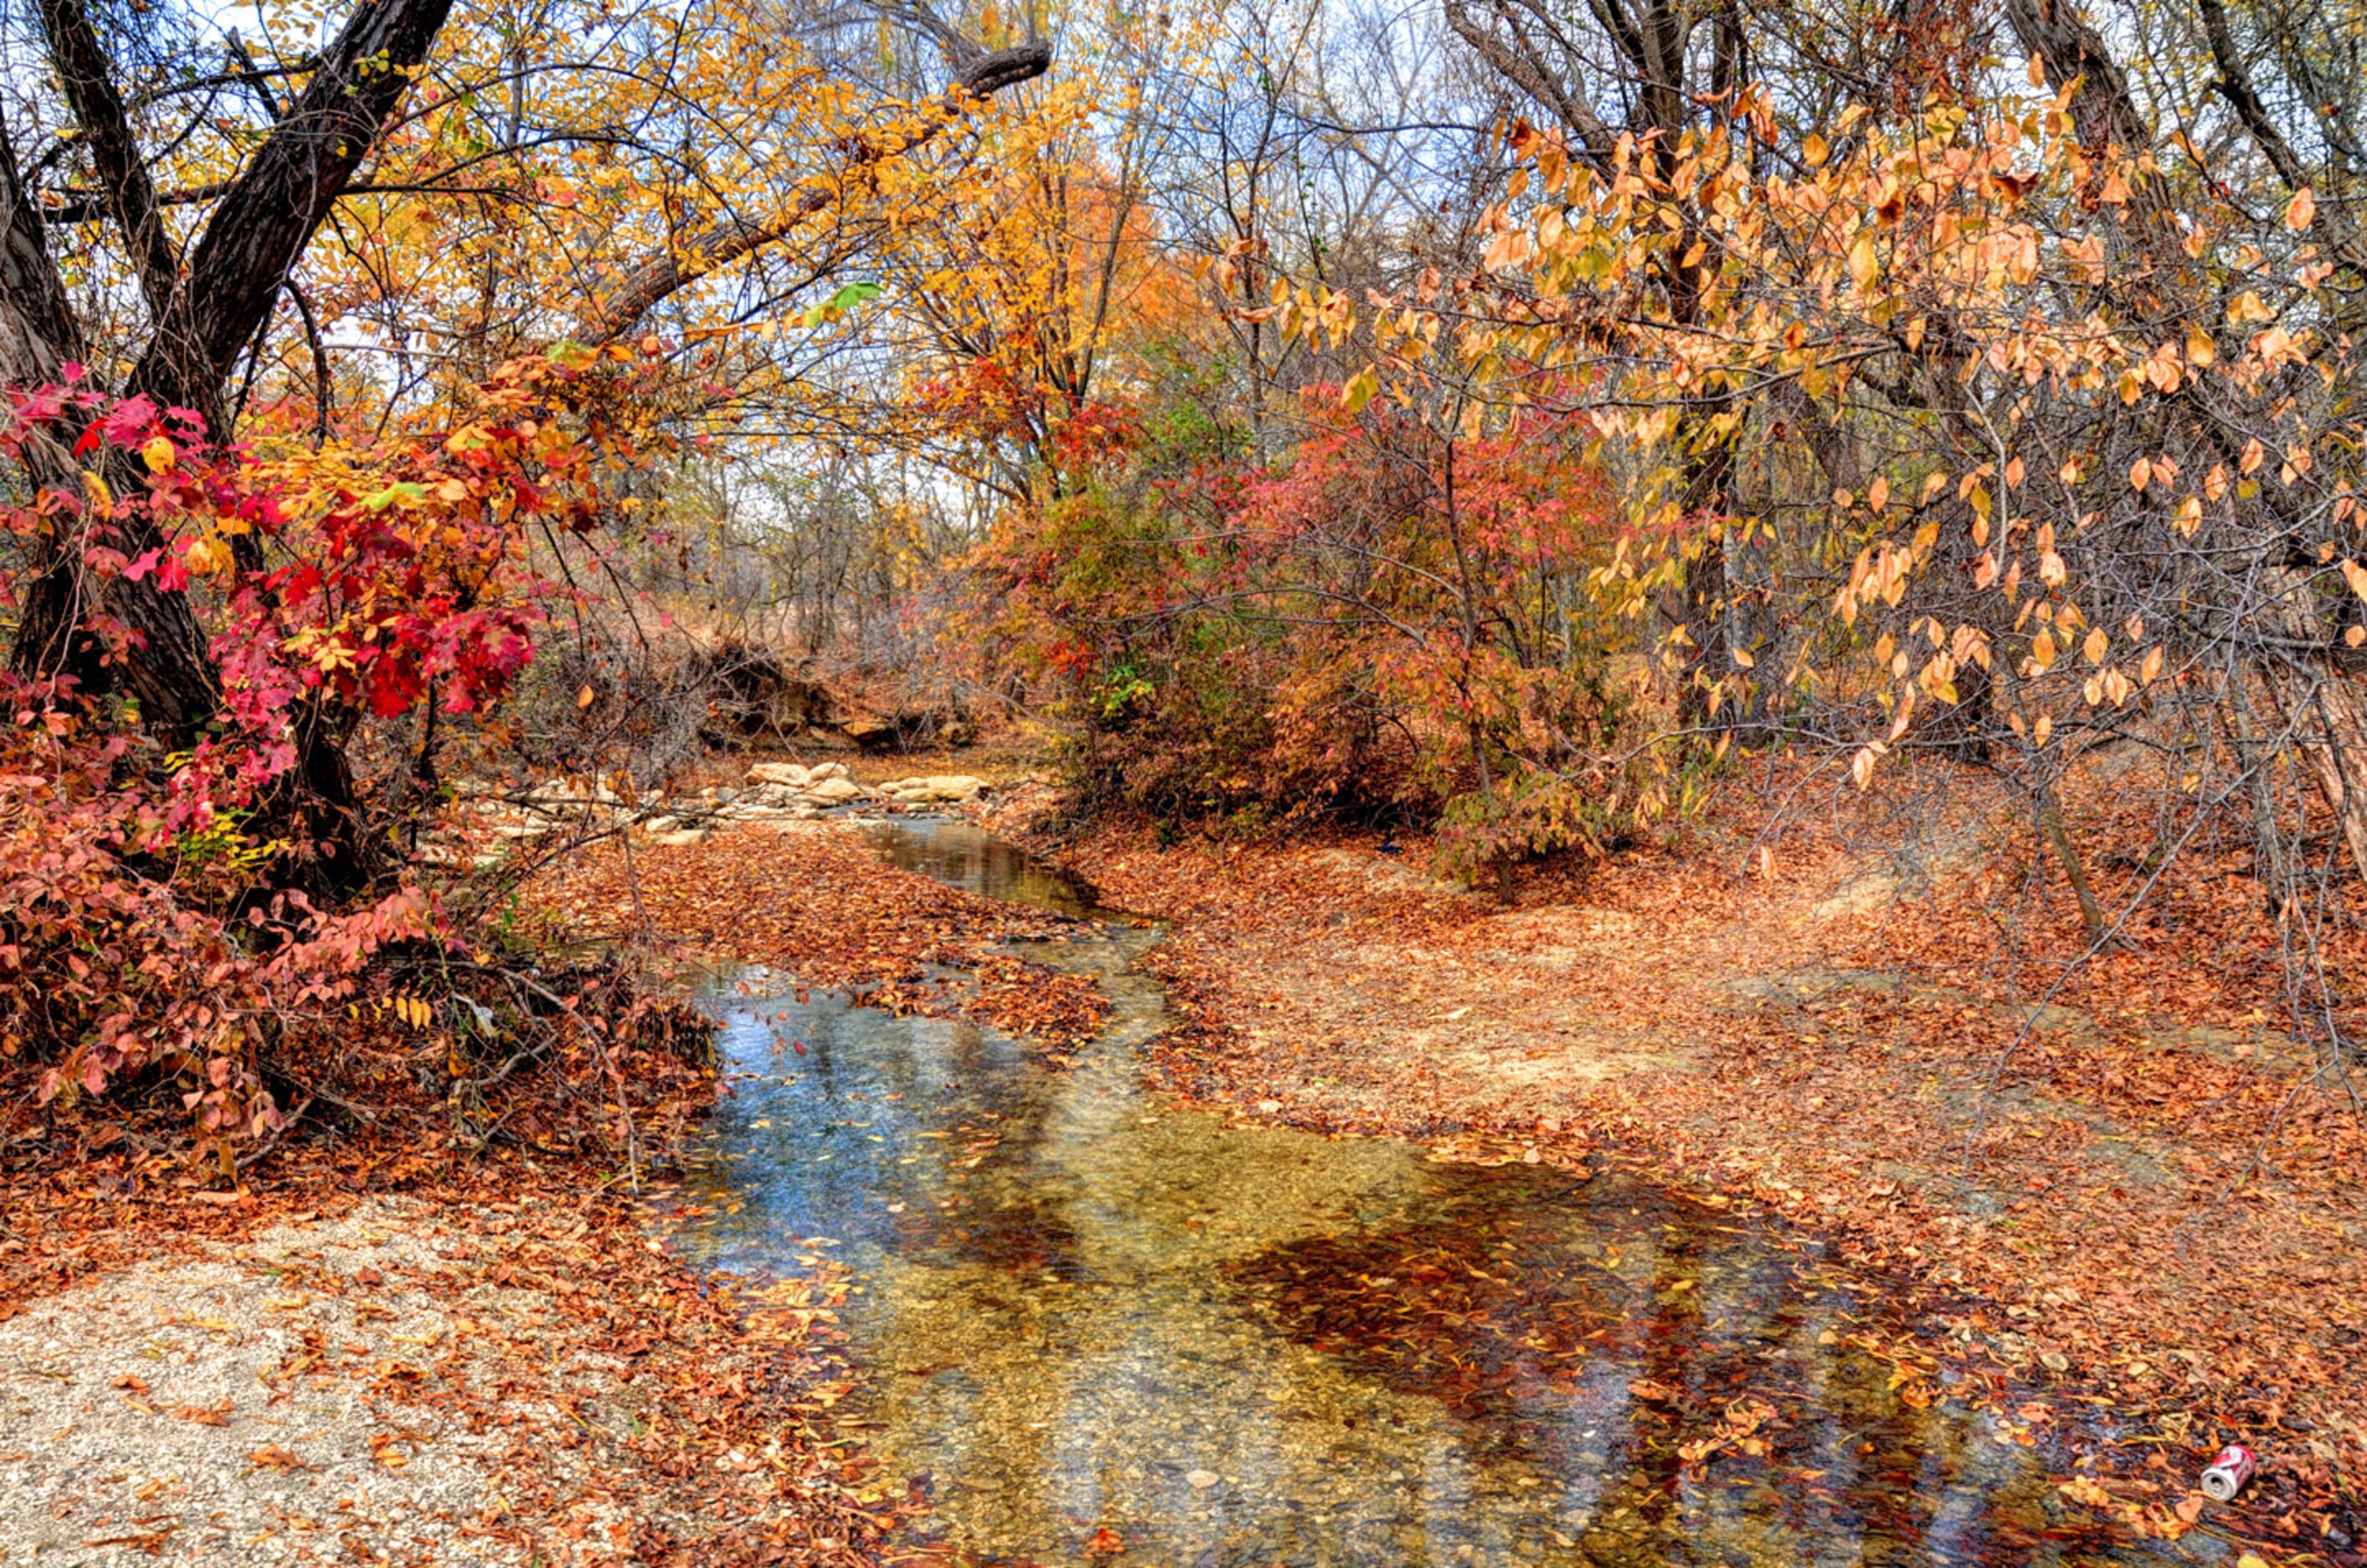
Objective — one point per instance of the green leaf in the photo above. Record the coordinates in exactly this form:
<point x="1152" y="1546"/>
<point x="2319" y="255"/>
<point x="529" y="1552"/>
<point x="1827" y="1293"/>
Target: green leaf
<point x="838" y="304"/>
<point x="1360" y="389"/>
<point x="406" y="493"/>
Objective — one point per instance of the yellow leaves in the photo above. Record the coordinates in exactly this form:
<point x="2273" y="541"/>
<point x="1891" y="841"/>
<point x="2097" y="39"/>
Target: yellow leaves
<point x="1938" y="678"/>
<point x="2188" y="517"/>
<point x="2096" y="645"/>
<point x="2246" y="308"/>
<point x="2301" y="209"/>
<point x="2355" y="576"/>
<point x="158" y="454"/>
<point x="96" y="492"/>
<point x="2086" y="1492"/>
<point x="2085" y="259"/>
<point x="2253" y="454"/>
<point x="1864" y="267"/>
<point x="206" y="556"/>
<point x="1649" y="427"/>
<point x="2107" y="686"/>
<point x="1360" y="389"/>
<point x="2200" y="350"/>
<point x="1507" y="251"/>
<point x="2140" y="474"/>
<point x="413" y="1010"/>
<point x="2043" y="651"/>
<point x="1878" y="494"/>
<point x="2149" y="668"/>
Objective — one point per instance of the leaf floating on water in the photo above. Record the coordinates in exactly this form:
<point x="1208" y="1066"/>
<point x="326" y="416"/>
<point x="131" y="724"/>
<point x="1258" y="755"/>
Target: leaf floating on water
<point x="1201" y="1480"/>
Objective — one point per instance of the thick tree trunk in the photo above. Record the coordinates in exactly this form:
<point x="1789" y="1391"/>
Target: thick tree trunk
<point x="93" y="633"/>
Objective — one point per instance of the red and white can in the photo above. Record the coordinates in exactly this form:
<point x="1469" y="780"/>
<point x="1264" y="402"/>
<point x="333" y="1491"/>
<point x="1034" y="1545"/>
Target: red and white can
<point x="2228" y="1472"/>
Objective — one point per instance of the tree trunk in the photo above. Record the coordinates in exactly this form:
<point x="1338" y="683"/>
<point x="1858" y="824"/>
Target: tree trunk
<point x="253" y="238"/>
<point x="2321" y="704"/>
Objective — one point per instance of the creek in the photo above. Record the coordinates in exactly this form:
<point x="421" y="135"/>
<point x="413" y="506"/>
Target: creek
<point x="1084" y="1307"/>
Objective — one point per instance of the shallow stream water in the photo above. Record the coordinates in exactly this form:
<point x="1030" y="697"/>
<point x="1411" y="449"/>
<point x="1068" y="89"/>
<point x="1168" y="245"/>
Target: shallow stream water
<point x="1084" y="1307"/>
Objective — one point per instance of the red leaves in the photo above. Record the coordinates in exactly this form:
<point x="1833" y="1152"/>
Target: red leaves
<point x="1351" y="630"/>
<point x="344" y="587"/>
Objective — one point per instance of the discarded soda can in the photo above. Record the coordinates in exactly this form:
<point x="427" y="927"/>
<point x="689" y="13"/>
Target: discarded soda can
<point x="2228" y="1472"/>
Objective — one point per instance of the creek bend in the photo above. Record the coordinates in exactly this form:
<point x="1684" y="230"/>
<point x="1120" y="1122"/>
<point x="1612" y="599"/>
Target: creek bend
<point x="1084" y="1307"/>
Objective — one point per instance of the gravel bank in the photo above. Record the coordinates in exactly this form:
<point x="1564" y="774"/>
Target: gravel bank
<point x="331" y="1391"/>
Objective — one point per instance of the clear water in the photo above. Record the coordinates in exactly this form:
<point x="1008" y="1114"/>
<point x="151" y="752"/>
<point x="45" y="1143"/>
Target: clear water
<point x="1086" y="1308"/>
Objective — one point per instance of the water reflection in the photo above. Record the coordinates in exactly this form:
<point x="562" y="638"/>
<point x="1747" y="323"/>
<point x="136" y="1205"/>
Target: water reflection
<point x="1088" y="1310"/>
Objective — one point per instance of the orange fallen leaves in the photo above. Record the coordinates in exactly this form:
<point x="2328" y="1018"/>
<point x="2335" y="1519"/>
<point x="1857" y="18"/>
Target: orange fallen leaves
<point x="822" y="905"/>
<point x="2107" y="1194"/>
